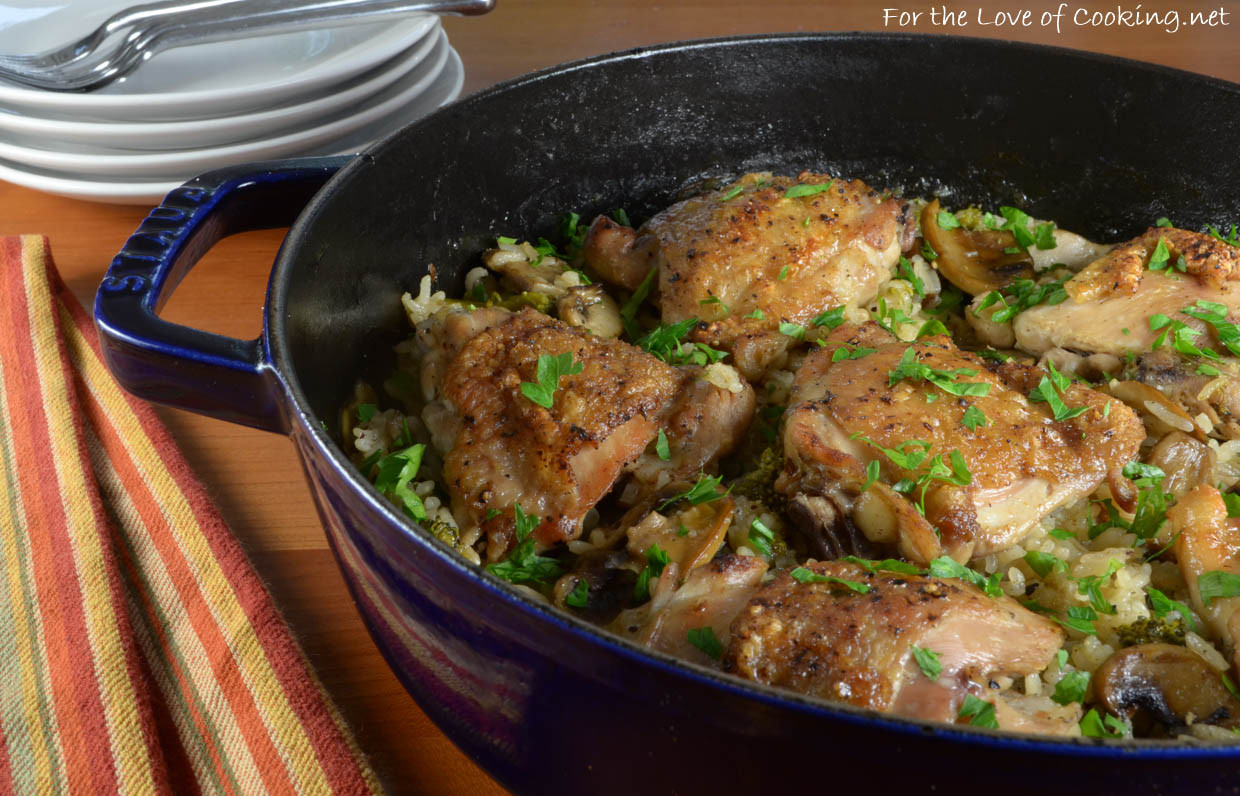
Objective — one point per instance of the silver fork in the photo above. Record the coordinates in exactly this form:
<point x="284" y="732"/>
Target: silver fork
<point x="128" y="38"/>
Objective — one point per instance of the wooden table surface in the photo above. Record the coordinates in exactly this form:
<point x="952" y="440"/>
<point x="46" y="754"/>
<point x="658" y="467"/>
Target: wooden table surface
<point x="255" y="477"/>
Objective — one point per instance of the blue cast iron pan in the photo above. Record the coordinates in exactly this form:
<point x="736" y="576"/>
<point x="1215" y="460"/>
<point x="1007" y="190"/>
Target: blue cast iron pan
<point x="545" y="703"/>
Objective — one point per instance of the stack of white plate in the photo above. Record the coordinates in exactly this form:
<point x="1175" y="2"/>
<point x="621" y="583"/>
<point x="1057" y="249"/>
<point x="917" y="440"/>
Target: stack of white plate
<point x="189" y="110"/>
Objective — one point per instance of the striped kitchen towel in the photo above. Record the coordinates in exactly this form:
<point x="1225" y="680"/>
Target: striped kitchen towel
<point x="139" y="652"/>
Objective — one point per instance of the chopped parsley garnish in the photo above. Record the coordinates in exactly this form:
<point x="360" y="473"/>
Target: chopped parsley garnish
<point x="1162" y="605"/>
<point x="1060" y="533"/>
<point x="1180" y="334"/>
<point x="905" y="271"/>
<point x="523" y="565"/>
<point x="1233" y="238"/>
<point x="704" y="638"/>
<point x="661" y="448"/>
<point x="783" y="273"/>
<point x="393" y="475"/>
<point x="1230" y="686"/>
<point x="757" y="315"/>
<point x="1160" y="258"/>
<point x="1163" y="221"/>
<point x="910" y="368"/>
<point x="666" y="341"/>
<point x="1072" y="687"/>
<point x="1232" y="501"/>
<point x="932" y="327"/>
<point x="794" y="330"/>
<point x="551" y="367"/>
<point x="1216" y="315"/>
<point x="886" y="565"/>
<point x="928" y="252"/>
<point x="1105" y="725"/>
<point x="948" y="567"/>
<point x="947" y="220"/>
<point x="1045" y="563"/>
<point x="1016" y="221"/>
<point x="622" y="217"/>
<point x="797" y="191"/>
<point x="928" y="662"/>
<point x="831" y="318"/>
<point x="974" y="418"/>
<point x="704" y="491"/>
<point x="656" y="560"/>
<point x="732" y="194"/>
<point x="365" y="412"/>
<point x="1021" y="295"/>
<point x="1081" y="618"/>
<point x="979" y="712"/>
<point x="803" y="575"/>
<point x="1216" y="585"/>
<point x="994" y="355"/>
<point x="1050" y="390"/>
<point x="628" y="313"/>
<point x="579" y="597"/>
<point x="1091" y="587"/>
<point x="872" y="472"/>
<point x="716" y="300"/>
<point x="847" y="352"/>
<point x="911" y="455"/>
<point x="1151" y="509"/>
<point x="761" y="538"/>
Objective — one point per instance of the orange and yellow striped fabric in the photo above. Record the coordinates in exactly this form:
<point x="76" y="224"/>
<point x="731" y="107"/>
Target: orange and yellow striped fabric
<point x="139" y="652"/>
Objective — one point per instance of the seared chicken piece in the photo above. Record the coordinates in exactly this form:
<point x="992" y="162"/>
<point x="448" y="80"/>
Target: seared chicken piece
<point x="705" y="422"/>
<point x="751" y="246"/>
<point x="711" y="596"/>
<point x="1021" y="463"/>
<point x="827" y="640"/>
<point x="557" y="462"/>
<point x="1207" y="540"/>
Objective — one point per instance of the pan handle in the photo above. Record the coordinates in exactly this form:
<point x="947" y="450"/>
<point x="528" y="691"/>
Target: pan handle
<point x="176" y="365"/>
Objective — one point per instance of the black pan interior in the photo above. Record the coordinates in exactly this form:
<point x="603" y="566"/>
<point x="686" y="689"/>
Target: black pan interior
<point x="1104" y="146"/>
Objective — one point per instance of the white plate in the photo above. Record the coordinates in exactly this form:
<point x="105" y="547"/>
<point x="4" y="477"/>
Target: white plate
<point x="443" y="90"/>
<point x="84" y="159"/>
<point x="40" y="132"/>
<point x="201" y="81"/>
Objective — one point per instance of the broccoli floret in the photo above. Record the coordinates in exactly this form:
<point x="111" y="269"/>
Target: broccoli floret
<point x="758" y="483"/>
<point x="1155" y="629"/>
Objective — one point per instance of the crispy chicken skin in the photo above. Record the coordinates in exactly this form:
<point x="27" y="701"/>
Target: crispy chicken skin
<point x="1111" y="300"/>
<point x="827" y="640"/>
<point x="749" y="246"/>
<point x="1023" y="464"/>
<point x="556" y="462"/>
<point x="1207" y="540"/>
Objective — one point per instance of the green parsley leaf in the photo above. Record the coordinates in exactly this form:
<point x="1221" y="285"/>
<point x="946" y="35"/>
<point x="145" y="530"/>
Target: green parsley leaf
<point x="979" y="712"/>
<point x="947" y="567"/>
<point x="905" y="271"/>
<point x="757" y="315"/>
<point x="628" y="313"/>
<point x="705" y="490"/>
<point x="715" y="300"/>
<point x="1143" y="474"/>
<point x="974" y="418"/>
<point x="1215" y="314"/>
<point x="1061" y="658"/>
<point x="761" y="538"/>
<point x="910" y="368"/>
<point x="1049" y="390"/>
<point x="872" y="471"/>
<point x="656" y="560"/>
<point x="1207" y="370"/>
<point x="1230" y="686"/>
<point x="1232" y="501"/>
<point x="1072" y="687"/>
<point x="1060" y="533"/>
<point x="1081" y="618"/>
<point x="932" y="327"/>
<point x="1163" y="222"/>
<point x="579" y="597"/>
<point x="1021" y="295"/>
<point x="1162" y="605"/>
<point x="1045" y="563"/>
<point x="928" y="252"/>
<point x="886" y="565"/>
<point x="845" y="352"/>
<point x="797" y="191"/>
<point x="732" y="194"/>
<point x="830" y="318"/>
<point x="523" y="565"/>
<point x="1216" y="584"/>
<point x="1091" y="587"/>
<point x="794" y="330"/>
<point x="366" y="412"/>
<point x="551" y="368"/>
<point x="621" y="217"/>
<point x="1044" y="236"/>
<point x="783" y="273"/>
<point x="704" y="638"/>
<point x="927" y="661"/>
<point x="803" y="575"/>
<point x="506" y="241"/>
<point x="947" y="220"/>
<point x="661" y="448"/>
<point x="1160" y="257"/>
<point x="393" y="475"/>
<point x="1095" y="726"/>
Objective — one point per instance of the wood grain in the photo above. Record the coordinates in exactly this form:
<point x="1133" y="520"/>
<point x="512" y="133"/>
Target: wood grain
<point x="255" y="476"/>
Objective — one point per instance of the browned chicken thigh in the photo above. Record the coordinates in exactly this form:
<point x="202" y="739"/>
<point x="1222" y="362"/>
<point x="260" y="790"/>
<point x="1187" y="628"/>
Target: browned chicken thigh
<point x="848" y="635"/>
<point x="985" y="468"/>
<point x="762" y="251"/>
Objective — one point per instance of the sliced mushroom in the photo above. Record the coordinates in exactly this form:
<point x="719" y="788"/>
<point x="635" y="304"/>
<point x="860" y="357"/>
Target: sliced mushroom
<point x="1160" y="414"/>
<point x="590" y="306"/>
<point x="1160" y="688"/>
<point x="690" y="537"/>
<point x="1187" y="462"/>
<point x="976" y="261"/>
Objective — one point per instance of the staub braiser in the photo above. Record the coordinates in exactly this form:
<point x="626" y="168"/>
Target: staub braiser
<point x="544" y="702"/>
